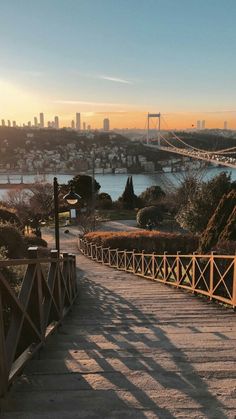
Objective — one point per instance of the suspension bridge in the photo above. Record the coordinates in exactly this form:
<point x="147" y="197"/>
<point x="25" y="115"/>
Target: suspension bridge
<point x="224" y="157"/>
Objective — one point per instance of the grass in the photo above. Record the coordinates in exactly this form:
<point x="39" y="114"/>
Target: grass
<point x="116" y="214"/>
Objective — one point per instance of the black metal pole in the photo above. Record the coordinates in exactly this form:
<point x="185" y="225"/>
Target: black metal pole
<point x="56" y="214"/>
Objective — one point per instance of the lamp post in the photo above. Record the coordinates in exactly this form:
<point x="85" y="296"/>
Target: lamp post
<point x="71" y="198"/>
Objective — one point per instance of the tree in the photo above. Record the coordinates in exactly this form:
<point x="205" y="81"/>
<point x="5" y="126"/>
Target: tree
<point x="128" y="199"/>
<point x="152" y="195"/>
<point x="201" y="204"/>
<point x="83" y="185"/>
<point x="19" y="199"/>
<point x="222" y="225"/>
<point x="104" y="201"/>
<point x="148" y="216"/>
<point x="41" y="202"/>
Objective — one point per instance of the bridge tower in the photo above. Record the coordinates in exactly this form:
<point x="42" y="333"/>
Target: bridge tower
<point x="151" y="116"/>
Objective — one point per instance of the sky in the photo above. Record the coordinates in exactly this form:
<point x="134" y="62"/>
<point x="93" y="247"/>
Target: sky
<point x="119" y="59"/>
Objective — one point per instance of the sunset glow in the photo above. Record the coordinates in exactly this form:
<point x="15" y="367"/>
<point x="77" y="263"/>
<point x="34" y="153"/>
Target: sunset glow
<point x="102" y="59"/>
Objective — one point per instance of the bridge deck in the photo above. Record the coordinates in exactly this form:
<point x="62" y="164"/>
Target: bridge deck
<point x="131" y="348"/>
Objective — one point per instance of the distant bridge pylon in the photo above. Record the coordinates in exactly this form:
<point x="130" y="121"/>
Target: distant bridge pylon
<point x="150" y="116"/>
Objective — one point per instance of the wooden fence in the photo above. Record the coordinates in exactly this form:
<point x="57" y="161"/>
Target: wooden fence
<point x="35" y="295"/>
<point x="211" y="275"/>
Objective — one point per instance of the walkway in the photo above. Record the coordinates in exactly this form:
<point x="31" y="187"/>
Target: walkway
<point x="131" y="348"/>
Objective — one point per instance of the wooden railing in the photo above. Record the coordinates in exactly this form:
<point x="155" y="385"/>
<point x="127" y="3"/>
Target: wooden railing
<point x="211" y="275"/>
<point x="35" y="295"/>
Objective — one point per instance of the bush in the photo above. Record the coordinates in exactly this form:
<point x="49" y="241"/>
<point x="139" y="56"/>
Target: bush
<point x="12" y="239"/>
<point x="104" y="201"/>
<point x="8" y="215"/>
<point x="151" y="195"/>
<point x="149" y="241"/>
<point x="35" y="241"/>
<point x="149" y="215"/>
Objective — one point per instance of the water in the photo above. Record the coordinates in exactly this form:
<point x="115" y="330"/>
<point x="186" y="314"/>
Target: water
<point x="114" y="184"/>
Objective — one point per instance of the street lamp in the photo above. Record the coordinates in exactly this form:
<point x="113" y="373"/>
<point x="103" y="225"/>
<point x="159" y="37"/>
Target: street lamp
<point x="71" y="198"/>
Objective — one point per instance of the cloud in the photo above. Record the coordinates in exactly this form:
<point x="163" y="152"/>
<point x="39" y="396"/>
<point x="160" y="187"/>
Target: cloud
<point x="115" y="79"/>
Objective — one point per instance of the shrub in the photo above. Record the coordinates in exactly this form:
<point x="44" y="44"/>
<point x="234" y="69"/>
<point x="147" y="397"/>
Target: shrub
<point x="104" y="201"/>
<point x="151" y="195"/>
<point x="35" y="241"/>
<point x="12" y="239"/>
<point x="13" y="274"/>
<point x="8" y="215"/>
<point x="149" y="241"/>
<point x="148" y="215"/>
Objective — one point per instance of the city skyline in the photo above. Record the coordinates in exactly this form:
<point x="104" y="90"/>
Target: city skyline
<point x="81" y="121"/>
<point x="119" y="60"/>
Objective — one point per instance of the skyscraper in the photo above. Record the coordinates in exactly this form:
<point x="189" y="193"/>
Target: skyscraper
<point x="225" y="124"/>
<point x="56" y="122"/>
<point x="198" y="124"/>
<point x="35" y="122"/>
<point x="41" y="120"/>
<point x="8" y="123"/>
<point x="3" y="123"/>
<point x="84" y="126"/>
<point x="106" y="124"/>
<point x="78" y="121"/>
<point x="203" y="124"/>
<point x="73" y="124"/>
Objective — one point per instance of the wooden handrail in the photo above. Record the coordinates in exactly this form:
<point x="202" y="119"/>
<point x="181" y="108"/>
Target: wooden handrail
<point x="28" y="316"/>
<point x="211" y="275"/>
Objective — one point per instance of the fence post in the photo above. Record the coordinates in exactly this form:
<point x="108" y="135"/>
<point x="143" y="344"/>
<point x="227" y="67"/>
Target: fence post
<point x="125" y="261"/>
<point x="142" y="263"/>
<point x="193" y="272"/>
<point x="55" y="277"/>
<point x="3" y="354"/>
<point x="133" y="257"/>
<point x="153" y="265"/>
<point x="211" y="274"/>
<point x="165" y="266"/>
<point x="117" y="259"/>
<point x="234" y="285"/>
<point x="109" y="256"/>
<point x="178" y="268"/>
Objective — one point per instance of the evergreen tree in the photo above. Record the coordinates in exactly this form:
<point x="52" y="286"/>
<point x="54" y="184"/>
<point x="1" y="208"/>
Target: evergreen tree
<point x="128" y="198"/>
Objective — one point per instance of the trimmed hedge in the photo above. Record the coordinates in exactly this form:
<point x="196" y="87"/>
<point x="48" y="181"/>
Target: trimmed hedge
<point x="149" y="241"/>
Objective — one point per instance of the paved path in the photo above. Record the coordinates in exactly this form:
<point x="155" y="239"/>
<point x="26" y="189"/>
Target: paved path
<point x="131" y="348"/>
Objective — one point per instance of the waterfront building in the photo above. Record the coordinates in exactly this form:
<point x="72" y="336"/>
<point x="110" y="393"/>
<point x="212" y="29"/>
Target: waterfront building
<point x="106" y="124"/>
<point x="78" y="121"/>
<point x="41" y="120"/>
